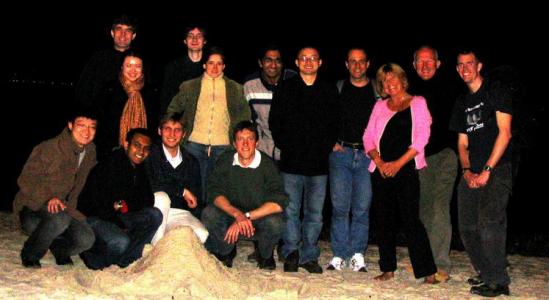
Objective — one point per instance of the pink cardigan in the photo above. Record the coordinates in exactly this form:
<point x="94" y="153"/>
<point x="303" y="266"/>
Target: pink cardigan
<point x="421" y="129"/>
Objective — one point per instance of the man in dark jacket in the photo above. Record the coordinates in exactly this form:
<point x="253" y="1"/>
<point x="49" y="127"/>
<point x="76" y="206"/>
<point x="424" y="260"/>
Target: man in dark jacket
<point x="118" y="201"/>
<point x="49" y="185"/>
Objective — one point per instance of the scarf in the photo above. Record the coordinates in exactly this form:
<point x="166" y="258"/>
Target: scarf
<point x="134" y="114"/>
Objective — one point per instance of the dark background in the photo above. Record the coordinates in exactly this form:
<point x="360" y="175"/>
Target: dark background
<point x="46" y="47"/>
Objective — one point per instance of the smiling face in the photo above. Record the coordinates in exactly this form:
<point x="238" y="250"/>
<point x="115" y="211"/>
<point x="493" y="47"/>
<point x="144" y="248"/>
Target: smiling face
<point x="138" y="149"/>
<point x="132" y="68"/>
<point x="271" y="65"/>
<point x="308" y="61"/>
<point x="214" y="66"/>
<point x="392" y="85"/>
<point x="83" y="130"/>
<point x="468" y="68"/>
<point x="357" y="63"/>
<point x="426" y="63"/>
<point x="122" y="36"/>
<point x="195" y="40"/>
<point x="171" y="133"/>
<point x="245" y="143"/>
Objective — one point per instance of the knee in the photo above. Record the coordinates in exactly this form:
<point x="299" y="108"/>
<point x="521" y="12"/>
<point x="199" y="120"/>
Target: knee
<point x="118" y="245"/>
<point x="274" y="224"/>
<point x="162" y="201"/>
<point x="58" y="222"/>
<point x="85" y="239"/>
<point x="210" y="216"/>
<point x="155" y="216"/>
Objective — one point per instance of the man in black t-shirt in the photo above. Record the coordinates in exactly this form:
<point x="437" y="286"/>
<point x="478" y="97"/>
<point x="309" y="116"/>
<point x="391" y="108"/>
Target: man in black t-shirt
<point x="482" y="118"/>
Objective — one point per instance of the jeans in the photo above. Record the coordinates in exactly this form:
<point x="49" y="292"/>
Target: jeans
<point x="482" y="219"/>
<point x="206" y="162"/>
<point x="64" y="235"/>
<point x="351" y="191"/>
<point x="303" y="236"/>
<point x="437" y="184"/>
<point x="268" y="231"/>
<point x="115" y="245"/>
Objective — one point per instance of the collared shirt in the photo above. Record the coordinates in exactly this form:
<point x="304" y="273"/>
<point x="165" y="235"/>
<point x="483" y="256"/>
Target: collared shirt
<point x="255" y="163"/>
<point x="174" y="161"/>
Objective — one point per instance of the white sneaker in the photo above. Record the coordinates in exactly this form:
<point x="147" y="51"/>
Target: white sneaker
<point x="337" y="263"/>
<point x="357" y="263"/>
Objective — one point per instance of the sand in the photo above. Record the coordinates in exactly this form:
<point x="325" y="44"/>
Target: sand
<point x="180" y="268"/>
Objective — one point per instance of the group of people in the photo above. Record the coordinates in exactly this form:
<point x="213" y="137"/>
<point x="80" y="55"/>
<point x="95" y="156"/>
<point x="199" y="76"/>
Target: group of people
<point x="253" y="162"/>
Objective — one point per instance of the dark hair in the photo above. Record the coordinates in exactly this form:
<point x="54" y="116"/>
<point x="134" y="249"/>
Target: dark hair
<point x="245" y="125"/>
<point x="357" y="48"/>
<point x="175" y="117"/>
<point x="214" y="51"/>
<point x="134" y="131"/>
<point x="191" y="27"/>
<point x="467" y="51"/>
<point x="125" y="20"/>
<point x="270" y="47"/>
<point x="81" y="111"/>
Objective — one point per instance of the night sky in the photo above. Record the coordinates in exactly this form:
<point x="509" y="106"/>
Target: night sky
<point x="50" y="45"/>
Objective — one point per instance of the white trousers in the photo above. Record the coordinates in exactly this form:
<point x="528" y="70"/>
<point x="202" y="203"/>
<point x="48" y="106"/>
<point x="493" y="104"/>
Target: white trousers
<point x="175" y="217"/>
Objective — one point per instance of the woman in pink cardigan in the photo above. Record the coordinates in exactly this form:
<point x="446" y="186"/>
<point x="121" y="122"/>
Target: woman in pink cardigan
<point x="397" y="132"/>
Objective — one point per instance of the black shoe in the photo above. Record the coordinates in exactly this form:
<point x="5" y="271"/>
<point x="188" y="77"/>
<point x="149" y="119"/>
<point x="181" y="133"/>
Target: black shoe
<point x="291" y="262"/>
<point x="34" y="264"/>
<point x="227" y="260"/>
<point x="475" y="280"/>
<point x="61" y="261"/>
<point x="312" y="267"/>
<point x="266" y="264"/>
<point x="488" y="290"/>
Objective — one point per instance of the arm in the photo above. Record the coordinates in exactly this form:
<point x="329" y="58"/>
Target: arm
<point x="393" y="167"/>
<point x="463" y="151"/>
<point x="241" y="225"/>
<point x="502" y="141"/>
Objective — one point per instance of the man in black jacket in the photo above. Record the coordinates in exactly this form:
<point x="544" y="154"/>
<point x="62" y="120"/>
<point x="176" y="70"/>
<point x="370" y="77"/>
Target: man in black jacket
<point x="118" y="201"/>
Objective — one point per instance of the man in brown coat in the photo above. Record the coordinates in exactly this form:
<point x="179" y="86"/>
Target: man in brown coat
<point x="49" y="185"/>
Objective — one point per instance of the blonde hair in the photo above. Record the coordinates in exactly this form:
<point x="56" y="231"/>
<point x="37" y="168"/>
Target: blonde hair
<point x="396" y="70"/>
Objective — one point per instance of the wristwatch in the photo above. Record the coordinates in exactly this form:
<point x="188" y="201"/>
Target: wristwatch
<point x="487" y="168"/>
<point x="248" y="215"/>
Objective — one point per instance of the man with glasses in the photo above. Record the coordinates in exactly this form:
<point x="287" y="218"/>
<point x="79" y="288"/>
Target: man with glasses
<point x="49" y="186"/>
<point x="303" y="121"/>
<point x="183" y="68"/>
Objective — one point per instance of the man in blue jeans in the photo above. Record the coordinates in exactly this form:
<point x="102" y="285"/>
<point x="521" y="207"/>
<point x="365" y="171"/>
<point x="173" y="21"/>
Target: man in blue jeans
<point x="350" y="185"/>
<point x="118" y="201"/>
<point x="303" y="121"/>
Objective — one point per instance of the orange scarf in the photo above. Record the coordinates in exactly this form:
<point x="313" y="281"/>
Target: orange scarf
<point x="134" y="114"/>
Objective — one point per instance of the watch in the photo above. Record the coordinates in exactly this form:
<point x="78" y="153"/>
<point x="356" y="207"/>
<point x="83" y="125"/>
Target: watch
<point x="487" y="168"/>
<point x="248" y="215"/>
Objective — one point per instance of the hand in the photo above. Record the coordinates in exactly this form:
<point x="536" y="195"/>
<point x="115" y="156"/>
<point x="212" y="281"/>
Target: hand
<point x="391" y="169"/>
<point x="338" y="148"/>
<point x="482" y="178"/>
<point x="470" y="179"/>
<point x="190" y="198"/>
<point x="232" y="234"/>
<point x="245" y="225"/>
<point x="56" y="205"/>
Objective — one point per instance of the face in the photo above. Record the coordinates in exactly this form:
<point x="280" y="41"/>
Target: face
<point x="171" y="134"/>
<point x="357" y="64"/>
<point x="138" y="149"/>
<point x="392" y="85"/>
<point x="214" y="66"/>
<point x="123" y="36"/>
<point x="132" y="68"/>
<point x="195" y="40"/>
<point x="426" y="63"/>
<point x="83" y="130"/>
<point x="468" y="67"/>
<point x="271" y="64"/>
<point x="245" y="144"/>
<point x="308" y="61"/>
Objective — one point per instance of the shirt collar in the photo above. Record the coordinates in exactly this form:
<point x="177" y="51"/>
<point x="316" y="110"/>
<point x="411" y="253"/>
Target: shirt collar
<point x="255" y="163"/>
<point x="174" y="161"/>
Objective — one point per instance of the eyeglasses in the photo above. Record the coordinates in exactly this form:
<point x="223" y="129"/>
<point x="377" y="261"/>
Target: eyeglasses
<point x="194" y="36"/>
<point x="312" y="59"/>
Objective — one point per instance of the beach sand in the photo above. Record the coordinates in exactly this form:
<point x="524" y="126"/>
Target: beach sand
<point x="180" y="268"/>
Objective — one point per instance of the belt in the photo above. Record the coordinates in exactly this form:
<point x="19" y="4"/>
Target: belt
<point x="354" y="146"/>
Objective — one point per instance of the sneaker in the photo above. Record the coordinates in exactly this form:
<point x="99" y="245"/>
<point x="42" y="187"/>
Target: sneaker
<point x="337" y="263"/>
<point x="357" y="263"/>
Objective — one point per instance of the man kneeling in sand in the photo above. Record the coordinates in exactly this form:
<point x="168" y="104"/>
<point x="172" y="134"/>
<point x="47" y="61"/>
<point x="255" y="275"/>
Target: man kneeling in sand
<point x="246" y="198"/>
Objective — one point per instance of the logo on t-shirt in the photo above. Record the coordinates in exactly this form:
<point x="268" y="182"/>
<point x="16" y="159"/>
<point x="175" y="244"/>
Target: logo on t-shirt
<point x="474" y="117"/>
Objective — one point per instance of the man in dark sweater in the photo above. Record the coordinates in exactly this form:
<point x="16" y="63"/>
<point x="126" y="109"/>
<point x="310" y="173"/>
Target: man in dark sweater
<point x="246" y="199"/>
<point x="118" y="201"/>
<point x="175" y="179"/>
<point x="303" y="121"/>
<point x="104" y="66"/>
<point x="437" y="180"/>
